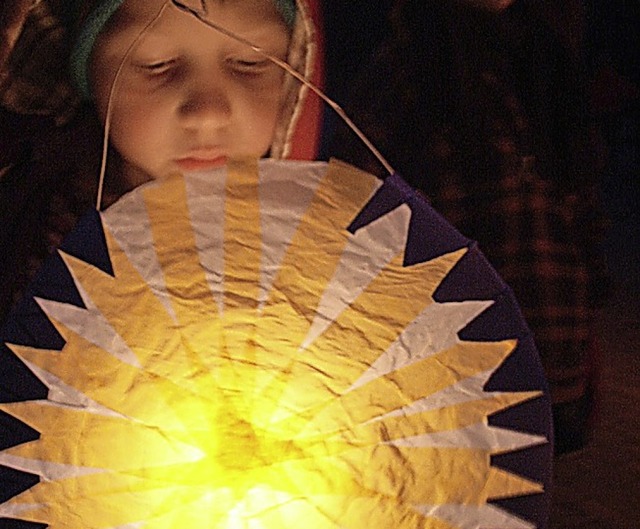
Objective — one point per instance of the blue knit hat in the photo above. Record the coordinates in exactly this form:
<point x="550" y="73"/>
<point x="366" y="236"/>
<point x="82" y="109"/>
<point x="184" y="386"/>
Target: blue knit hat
<point x="92" y="26"/>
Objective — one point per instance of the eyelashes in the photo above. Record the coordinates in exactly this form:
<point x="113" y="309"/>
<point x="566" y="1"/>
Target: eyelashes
<point x="158" y="68"/>
<point x="247" y="66"/>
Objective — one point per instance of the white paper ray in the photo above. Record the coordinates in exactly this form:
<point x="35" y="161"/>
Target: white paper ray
<point x="283" y="202"/>
<point x="91" y="324"/>
<point x="477" y="436"/>
<point x="205" y="197"/>
<point x="65" y="396"/>
<point x="46" y="469"/>
<point x="8" y="510"/>
<point x="466" y="390"/>
<point x="128" y="221"/>
<point x="368" y="251"/>
<point x="434" y="330"/>
<point x="475" y="517"/>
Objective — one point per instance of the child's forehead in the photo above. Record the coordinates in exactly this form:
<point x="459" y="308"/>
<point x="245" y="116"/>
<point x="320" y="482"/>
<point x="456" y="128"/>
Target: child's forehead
<point x="140" y="12"/>
<point x="257" y="21"/>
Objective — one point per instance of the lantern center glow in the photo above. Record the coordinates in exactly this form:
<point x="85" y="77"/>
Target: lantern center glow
<point x="238" y="455"/>
<point x="240" y="446"/>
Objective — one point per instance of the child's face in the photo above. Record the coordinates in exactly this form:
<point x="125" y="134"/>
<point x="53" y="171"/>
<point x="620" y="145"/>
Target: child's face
<point x="189" y="97"/>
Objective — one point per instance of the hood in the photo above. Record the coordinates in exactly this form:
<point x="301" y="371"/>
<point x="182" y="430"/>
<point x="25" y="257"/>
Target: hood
<point x="297" y="133"/>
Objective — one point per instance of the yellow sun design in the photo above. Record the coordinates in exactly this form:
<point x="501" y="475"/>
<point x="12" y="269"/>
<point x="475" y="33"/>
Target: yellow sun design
<point x="252" y="364"/>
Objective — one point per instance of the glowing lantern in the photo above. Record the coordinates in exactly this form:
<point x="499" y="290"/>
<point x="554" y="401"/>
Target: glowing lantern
<point x="260" y="347"/>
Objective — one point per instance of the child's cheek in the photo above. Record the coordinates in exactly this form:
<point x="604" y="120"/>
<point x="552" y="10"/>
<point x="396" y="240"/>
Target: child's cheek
<point x="141" y="134"/>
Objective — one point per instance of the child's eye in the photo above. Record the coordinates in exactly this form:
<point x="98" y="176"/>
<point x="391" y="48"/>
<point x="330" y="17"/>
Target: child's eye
<point x="157" y="67"/>
<point x="249" y="65"/>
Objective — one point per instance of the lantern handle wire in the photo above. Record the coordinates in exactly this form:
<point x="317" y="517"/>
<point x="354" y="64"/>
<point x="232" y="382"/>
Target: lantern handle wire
<point x="200" y="16"/>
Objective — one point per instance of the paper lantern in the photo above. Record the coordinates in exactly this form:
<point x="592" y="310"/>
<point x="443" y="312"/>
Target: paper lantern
<point x="268" y="345"/>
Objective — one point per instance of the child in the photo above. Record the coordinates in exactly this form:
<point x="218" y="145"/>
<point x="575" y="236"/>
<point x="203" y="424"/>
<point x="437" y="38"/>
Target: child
<point x="186" y="97"/>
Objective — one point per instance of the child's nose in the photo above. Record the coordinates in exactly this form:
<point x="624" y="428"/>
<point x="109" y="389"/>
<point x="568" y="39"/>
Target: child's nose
<point x="206" y="105"/>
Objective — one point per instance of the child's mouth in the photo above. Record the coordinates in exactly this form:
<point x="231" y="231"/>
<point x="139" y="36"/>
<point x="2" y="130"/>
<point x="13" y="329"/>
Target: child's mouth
<point x="201" y="163"/>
